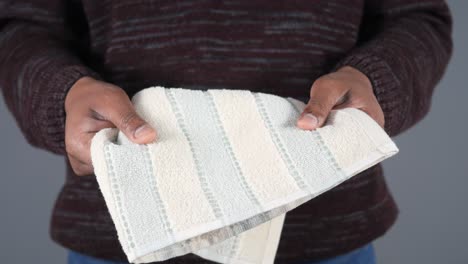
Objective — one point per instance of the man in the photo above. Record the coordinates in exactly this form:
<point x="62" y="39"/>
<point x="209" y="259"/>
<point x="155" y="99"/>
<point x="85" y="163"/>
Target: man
<point x="68" y="69"/>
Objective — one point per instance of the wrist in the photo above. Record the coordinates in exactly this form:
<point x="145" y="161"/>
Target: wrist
<point x="358" y="75"/>
<point x="78" y="86"/>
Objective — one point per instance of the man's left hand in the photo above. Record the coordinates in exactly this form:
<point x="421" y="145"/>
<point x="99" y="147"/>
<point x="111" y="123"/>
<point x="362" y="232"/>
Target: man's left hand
<point x="346" y="87"/>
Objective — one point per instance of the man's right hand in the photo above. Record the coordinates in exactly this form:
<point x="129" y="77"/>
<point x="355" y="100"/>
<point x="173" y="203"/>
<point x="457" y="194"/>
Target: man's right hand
<point x="92" y="105"/>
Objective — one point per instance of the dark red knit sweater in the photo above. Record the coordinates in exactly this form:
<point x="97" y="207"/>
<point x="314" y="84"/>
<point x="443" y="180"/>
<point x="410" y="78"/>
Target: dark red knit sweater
<point x="278" y="47"/>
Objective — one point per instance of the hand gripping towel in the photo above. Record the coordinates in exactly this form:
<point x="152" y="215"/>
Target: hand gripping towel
<point x="225" y="169"/>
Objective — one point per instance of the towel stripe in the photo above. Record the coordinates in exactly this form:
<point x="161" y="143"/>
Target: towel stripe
<point x="128" y="189"/>
<point x="319" y="157"/>
<point x="262" y="165"/>
<point x="280" y="145"/>
<point x="241" y="177"/>
<point x="307" y="155"/>
<point x="179" y="187"/>
<point x="115" y="193"/>
<point x="205" y="185"/>
<point x="160" y="208"/>
<point x="236" y="198"/>
<point x="355" y="149"/>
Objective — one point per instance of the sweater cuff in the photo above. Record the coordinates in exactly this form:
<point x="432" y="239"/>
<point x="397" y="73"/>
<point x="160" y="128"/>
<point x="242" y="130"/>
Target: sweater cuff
<point x="386" y="87"/>
<point x="53" y="115"/>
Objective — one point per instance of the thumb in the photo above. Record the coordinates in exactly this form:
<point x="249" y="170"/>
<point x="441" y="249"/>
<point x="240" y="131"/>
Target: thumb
<point x="321" y="102"/>
<point x="123" y="115"/>
<point x="313" y="115"/>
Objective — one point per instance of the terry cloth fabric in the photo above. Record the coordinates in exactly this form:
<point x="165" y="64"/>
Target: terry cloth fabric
<point x="226" y="167"/>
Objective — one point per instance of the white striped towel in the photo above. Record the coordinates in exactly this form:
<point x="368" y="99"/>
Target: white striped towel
<point x="226" y="167"/>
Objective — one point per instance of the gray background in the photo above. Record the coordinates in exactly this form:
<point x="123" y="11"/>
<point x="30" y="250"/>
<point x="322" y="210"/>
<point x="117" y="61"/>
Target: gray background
<point x="428" y="178"/>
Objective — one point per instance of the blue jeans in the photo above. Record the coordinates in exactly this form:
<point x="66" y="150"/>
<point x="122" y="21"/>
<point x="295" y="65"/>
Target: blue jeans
<point x="78" y="258"/>
<point x="364" y="255"/>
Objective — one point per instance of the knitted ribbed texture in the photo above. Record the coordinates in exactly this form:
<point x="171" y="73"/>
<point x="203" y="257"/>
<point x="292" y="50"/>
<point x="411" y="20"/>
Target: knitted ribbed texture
<point x="279" y="47"/>
<point x="51" y="116"/>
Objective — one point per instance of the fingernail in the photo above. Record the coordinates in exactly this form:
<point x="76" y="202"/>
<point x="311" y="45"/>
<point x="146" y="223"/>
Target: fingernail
<point x="142" y="131"/>
<point x="311" y="119"/>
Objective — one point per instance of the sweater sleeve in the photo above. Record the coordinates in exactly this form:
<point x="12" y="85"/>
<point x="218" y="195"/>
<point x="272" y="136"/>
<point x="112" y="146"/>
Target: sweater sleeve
<point x="404" y="48"/>
<point x="39" y="63"/>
